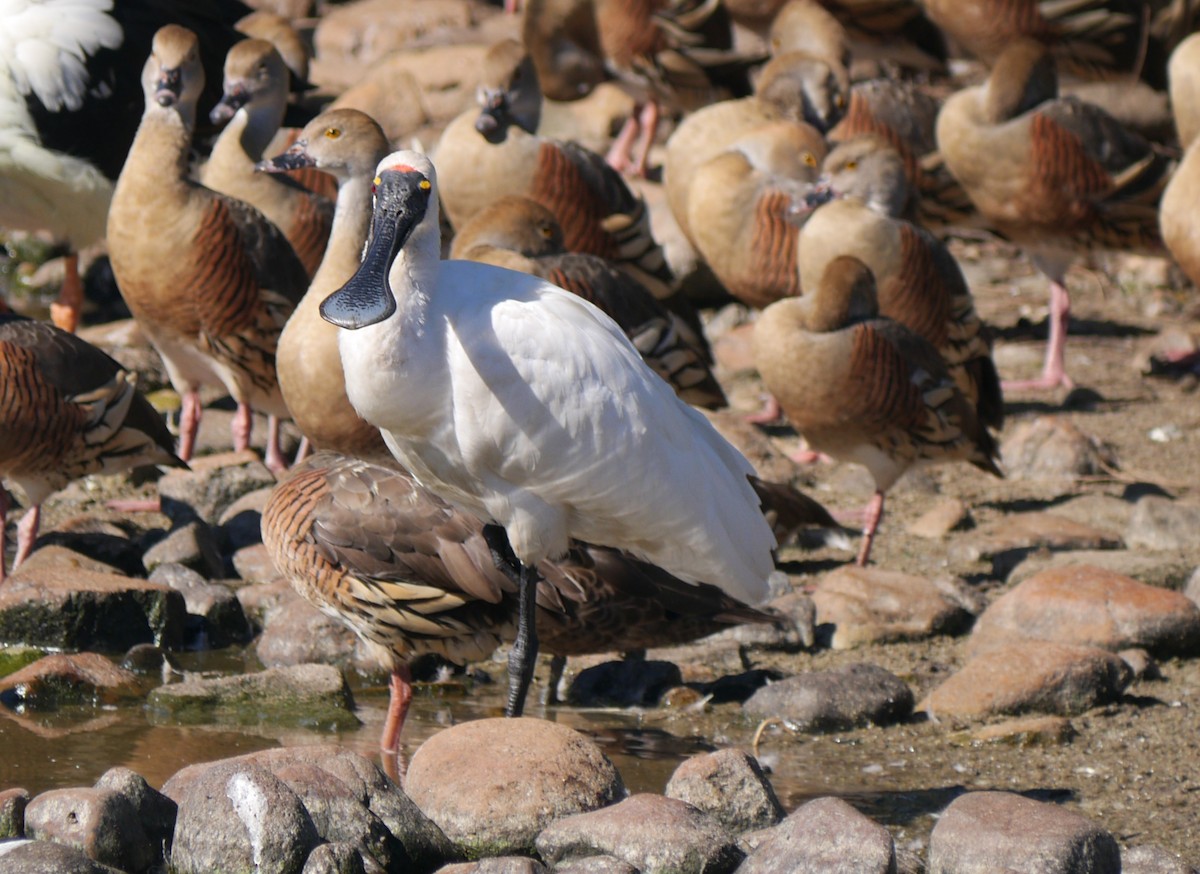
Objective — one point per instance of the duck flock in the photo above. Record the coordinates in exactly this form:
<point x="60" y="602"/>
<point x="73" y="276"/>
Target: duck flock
<point x="505" y="445"/>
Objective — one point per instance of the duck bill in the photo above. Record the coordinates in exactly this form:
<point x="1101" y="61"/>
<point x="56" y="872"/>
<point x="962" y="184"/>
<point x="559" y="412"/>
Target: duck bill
<point x="493" y="119"/>
<point x="400" y="204"/>
<point x="804" y="205"/>
<point x="294" y="158"/>
<point x="168" y="86"/>
<point x="228" y="106"/>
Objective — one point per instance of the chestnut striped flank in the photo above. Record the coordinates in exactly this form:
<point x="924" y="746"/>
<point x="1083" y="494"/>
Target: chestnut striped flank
<point x="309" y="231"/>
<point x="1065" y="181"/>
<point x="221" y="266"/>
<point x="917" y="296"/>
<point x="561" y="187"/>
<point x="882" y="389"/>
<point x="773" y="253"/>
<point x="36" y="422"/>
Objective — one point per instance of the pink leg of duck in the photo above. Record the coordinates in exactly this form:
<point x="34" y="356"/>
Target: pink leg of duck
<point x="27" y="532"/>
<point x="274" y="459"/>
<point x="189" y="423"/>
<point x="1054" y="372"/>
<point x="3" y="531"/>
<point x="65" y="311"/>
<point x="241" y="426"/>
<point x="302" y="451"/>
<point x="771" y="412"/>
<point x="618" y="156"/>
<point x="399" y="697"/>
<point x="874" y="513"/>
<point x="621" y="155"/>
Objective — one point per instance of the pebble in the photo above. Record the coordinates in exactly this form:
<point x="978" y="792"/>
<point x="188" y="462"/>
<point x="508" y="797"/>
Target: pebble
<point x="824" y="835"/>
<point x="100" y="822"/>
<point x="492" y="785"/>
<point x="192" y="545"/>
<point x="730" y="786"/>
<point x="12" y="812"/>
<point x="47" y="857"/>
<point x="1052" y="447"/>
<point x="73" y="610"/>
<point x="1090" y="606"/>
<point x="1161" y="524"/>
<point x="69" y="677"/>
<point x="311" y="695"/>
<point x="225" y="621"/>
<point x="862" y="605"/>
<point x="653" y="833"/>
<point x="835" y="700"/>
<point x="631" y="682"/>
<point x="947" y="515"/>
<point x="212" y="485"/>
<point x="1149" y="859"/>
<point x="1030" y="677"/>
<point x="1033" y="837"/>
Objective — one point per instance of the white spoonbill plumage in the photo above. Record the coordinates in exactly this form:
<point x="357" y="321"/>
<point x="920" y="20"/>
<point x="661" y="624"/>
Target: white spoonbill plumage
<point x="525" y="405"/>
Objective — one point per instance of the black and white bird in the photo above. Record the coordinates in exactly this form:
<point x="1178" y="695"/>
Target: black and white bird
<point x="70" y="103"/>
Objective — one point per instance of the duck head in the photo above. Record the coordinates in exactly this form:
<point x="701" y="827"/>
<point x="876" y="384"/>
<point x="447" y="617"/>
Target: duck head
<point x="404" y="185"/>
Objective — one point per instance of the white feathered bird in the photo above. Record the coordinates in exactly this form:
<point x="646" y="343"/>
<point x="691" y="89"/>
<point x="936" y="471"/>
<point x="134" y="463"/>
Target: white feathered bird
<point x="522" y="403"/>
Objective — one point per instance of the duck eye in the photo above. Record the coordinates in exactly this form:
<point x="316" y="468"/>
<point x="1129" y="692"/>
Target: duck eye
<point x="333" y="133"/>
<point x="547" y="231"/>
<point x="810" y="159"/>
<point x="852" y="165"/>
<point x="424" y="185"/>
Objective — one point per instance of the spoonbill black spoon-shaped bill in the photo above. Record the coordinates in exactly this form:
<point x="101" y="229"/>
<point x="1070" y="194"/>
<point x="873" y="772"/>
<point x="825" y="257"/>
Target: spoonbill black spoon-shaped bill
<point x="526" y="406"/>
<point x="401" y="201"/>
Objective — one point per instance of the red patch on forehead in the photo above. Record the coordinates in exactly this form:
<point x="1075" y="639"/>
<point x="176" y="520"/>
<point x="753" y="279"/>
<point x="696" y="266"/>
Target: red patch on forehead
<point x="402" y="168"/>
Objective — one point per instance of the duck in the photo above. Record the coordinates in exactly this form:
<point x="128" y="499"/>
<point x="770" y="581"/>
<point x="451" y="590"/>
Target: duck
<point x="866" y="194"/>
<point x="347" y="144"/>
<point x="521" y="234"/>
<point x="411" y="575"/>
<point x="863" y="388"/>
<point x="67" y="410"/>
<point x="209" y="279"/>
<point x="252" y="107"/>
<point x="1054" y="175"/>
<point x="1179" y="218"/>
<point x="738" y="210"/>
<point x="68" y="70"/>
<point x="570" y="434"/>
<point x="495" y="150"/>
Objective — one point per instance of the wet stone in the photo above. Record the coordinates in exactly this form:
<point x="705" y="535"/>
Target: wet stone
<point x="1030" y="677"/>
<point x="225" y="622"/>
<point x="1090" y="606"/>
<point x="824" y="835"/>
<point x="1149" y="859"/>
<point x="212" y="485"/>
<point x="1052" y="447"/>
<point x="154" y="811"/>
<point x="47" y="857"/>
<point x="624" y="683"/>
<point x="239" y="817"/>
<point x="1158" y="523"/>
<point x="492" y="785"/>
<point x="12" y="813"/>
<point x="68" y="678"/>
<point x="1027" y="732"/>
<point x="835" y="700"/>
<point x="308" y="695"/>
<point x="78" y="610"/>
<point x="498" y="865"/>
<point x="1030" y="836"/>
<point x="145" y="658"/>
<point x="100" y="822"/>
<point x="730" y="786"/>
<point x="334" y="859"/>
<point x="861" y="605"/>
<point x="299" y="633"/>
<point x="192" y="545"/>
<point x="652" y="833"/>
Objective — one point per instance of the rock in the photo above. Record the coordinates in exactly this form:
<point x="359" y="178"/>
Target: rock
<point x="308" y="695"/>
<point x="602" y="864"/>
<point x="262" y="601"/>
<point x="154" y="811"/>
<point x="728" y="785"/>
<point x="940" y="519"/>
<point x="630" y="682"/>
<point x="1053" y="447"/>
<point x="1030" y="677"/>
<point x="47" y="857"/>
<point x="254" y="565"/>
<point x="1102" y="511"/>
<point x="979" y="828"/>
<point x="77" y="610"/>
<point x="1027" y="531"/>
<point x="342" y="792"/>
<point x="493" y="784"/>
<point x="225" y="622"/>
<point x="69" y="677"/>
<point x="93" y="544"/>
<point x="653" y="833"/>
<point x="334" y="859"/>
<point x="146" y="658"/>
<point x="1164" y="571"/>
<point x="1192" y="589"/>
<point x="1090" y="606"/>
<point x="1149" y="859"/>
<point x="835" y="700"/>
<point x="861" y="605"/>
<point x="299" y="633"/>
<point x="100" y="822"/>
<point x="498" y="865"/>
<point x="1028" y="732"/>
<point x="12" y="813"/>
<point x="62" y="558"/>
<point x="192" y="545"/>
<point x="1160" y="523"/>
<point x="1141" y="664"/>
<point x="238" y="817"/>
<point x="240" y="524"/>
<point x="212" y="485"/>
<point x="824" y="835"/>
